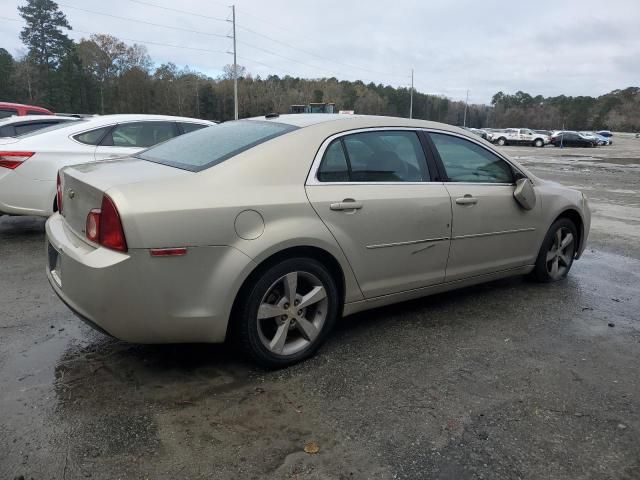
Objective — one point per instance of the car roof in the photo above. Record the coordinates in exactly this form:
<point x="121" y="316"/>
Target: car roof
<point x="132" y="117"/>
<point x="340" y="122"/>
<point x="28" y="118"/>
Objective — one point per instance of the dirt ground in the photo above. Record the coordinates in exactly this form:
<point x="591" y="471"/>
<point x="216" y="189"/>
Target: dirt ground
<point x="507" y="380"/>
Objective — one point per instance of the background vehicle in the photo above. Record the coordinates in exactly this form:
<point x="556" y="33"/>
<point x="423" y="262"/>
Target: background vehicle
<point x="371" y="211"/>
<point x="572" y="139"/>
<point x="543" y="132"/>
<point x="8" y="109"/>
<point x="598" y="139"/>
<point x="478" y="131"/>
<point x="605" y="133"/>
<point x="18" y="126"/>
<point x="28" y="164"/>
<point x="520" y="136"/>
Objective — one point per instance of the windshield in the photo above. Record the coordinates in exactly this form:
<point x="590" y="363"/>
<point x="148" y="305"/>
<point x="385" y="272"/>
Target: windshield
<point x="207" y="147"/>
<point x="51" y="128"/>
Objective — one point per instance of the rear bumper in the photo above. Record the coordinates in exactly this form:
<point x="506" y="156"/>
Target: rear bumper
<point x="138" y="298"/>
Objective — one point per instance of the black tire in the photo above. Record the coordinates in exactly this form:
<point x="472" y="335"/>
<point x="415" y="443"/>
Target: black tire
<point x="246" y="316"/>
<point x="541" y="272"/>
<point x="538" y="143"/>
<point x="502" y="141"/>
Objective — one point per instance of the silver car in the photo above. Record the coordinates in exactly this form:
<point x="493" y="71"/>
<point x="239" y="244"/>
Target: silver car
<point x="267" y="230"/>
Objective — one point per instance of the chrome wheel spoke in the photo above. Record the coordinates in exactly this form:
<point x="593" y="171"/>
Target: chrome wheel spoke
<point x="307" y="329"/>
<point x="568" y="240"/>
<point x="266" y="310"/>
<point x="290" y="286"/>
<point x="558" y="239"/>
<point x="565" y="259"/>
<point x="554" y="267"/>
<point x="280" y="338"/>
<point x="314" y="296"/>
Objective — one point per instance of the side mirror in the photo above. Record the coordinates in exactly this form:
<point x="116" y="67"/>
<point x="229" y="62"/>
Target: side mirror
<point x="524" y="193"/>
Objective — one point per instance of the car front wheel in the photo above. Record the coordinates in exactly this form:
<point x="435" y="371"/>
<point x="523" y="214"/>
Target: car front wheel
<point x="556" y="254"/>
<point x="538" y="143"/>
<point x="287" y="312"/>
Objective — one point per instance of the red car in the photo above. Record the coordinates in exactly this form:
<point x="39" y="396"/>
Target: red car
<point x="7" y="109"/>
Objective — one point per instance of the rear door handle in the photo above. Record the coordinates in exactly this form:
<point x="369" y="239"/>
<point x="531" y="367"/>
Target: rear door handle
<point x="346" y="204"/>
<point x="466" y="200"/>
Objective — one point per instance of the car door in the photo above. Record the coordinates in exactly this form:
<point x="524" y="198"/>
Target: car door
<point x="526" y="136"/>
<point x="379" y="197"/>
<point x="131" y="137"/>
<point x="491" y="232"/>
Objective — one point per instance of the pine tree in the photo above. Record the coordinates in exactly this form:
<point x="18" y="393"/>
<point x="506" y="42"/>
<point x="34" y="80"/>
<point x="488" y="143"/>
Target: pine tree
<point x="46" y="42"/>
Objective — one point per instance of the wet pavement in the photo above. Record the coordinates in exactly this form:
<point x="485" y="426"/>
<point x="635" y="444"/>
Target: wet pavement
<point x="506" y="380"/>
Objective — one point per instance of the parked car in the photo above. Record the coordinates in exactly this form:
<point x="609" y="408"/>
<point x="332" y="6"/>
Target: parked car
<point x="544" y="132"/>
<point x="520" y="136"/>
<point x="598" y="139"/>
<point x="605" y="133"/>
<point x="478" y="131"/>
<point x="9" y="109"/>
<point x="28" y="164"/>
<point x="269" y="229"/>
<point x="572" y="139"/>
<point x="18" y="126"/>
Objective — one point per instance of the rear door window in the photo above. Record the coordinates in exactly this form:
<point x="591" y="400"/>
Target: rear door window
<point x="92" y="137"/>
<point x="377" y="156"/>
<point x="140" y="134"/>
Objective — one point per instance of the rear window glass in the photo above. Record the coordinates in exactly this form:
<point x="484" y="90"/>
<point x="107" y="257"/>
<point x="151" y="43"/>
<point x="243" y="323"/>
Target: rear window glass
<point x="209" y="146"/>
<point x="52" y="127"/>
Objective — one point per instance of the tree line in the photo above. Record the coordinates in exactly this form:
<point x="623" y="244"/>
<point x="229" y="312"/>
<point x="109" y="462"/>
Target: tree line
<point x="102" y="74"/>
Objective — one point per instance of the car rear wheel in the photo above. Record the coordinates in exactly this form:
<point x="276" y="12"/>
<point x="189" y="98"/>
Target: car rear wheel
<point x="287" y="312"/>
<point x="556" y="254"/>
<point x="502" y="141"/>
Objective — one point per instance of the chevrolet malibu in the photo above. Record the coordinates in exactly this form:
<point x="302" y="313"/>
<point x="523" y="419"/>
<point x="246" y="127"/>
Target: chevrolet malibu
<point x="267" y="230"/>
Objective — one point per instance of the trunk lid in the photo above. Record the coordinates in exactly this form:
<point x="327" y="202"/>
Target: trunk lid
<point x="84" y="185"/>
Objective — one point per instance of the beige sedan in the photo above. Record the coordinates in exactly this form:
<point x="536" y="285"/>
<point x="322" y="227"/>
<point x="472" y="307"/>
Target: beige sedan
<point x="269" y="229"/>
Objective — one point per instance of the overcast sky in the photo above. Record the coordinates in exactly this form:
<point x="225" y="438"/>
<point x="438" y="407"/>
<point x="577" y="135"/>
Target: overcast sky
<point x="554" y="47"/>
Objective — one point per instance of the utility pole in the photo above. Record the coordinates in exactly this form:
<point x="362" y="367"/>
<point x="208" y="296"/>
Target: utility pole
<point x="466" y="102"/>
<point x="411" y="98"/>
<point x="235" y="66"/>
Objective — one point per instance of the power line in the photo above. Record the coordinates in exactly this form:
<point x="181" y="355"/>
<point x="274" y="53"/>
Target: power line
<point x="320" y="56"/>
<point x="284" y="57"/>
<point x="142" y="21"/>
<point x="135" y="40"/>
<point x="186" y="12"/>
<point x="149" y="4"/>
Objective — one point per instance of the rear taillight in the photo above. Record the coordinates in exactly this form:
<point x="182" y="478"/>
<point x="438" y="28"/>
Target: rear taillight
<point x="103" y="226"/>
<point x="59" y="193"/>
<point x="92" y="228"/>
<point x="13" y="160"/>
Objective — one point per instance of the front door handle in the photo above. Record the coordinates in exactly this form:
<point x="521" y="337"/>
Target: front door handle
<point x="346" y="204"/>
<point x="466" y="200"/>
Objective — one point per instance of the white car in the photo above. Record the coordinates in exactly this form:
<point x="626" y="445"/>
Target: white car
<point x="520" y="136"/>
<point x="16" y="126"/>
<point x="29" y="164"/>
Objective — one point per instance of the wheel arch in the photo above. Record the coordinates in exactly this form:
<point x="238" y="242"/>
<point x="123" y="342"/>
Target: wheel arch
<point x="323" y="256"/>
<point x="575" y="216"/>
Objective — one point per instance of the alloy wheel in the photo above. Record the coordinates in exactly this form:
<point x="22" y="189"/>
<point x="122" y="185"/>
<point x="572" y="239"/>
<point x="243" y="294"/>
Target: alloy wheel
<point x="292" y="313"/>
<point x="560" y="254"/>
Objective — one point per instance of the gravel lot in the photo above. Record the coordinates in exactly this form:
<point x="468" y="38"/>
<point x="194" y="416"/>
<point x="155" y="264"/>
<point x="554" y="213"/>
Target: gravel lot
<point x="506" y="380"/>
